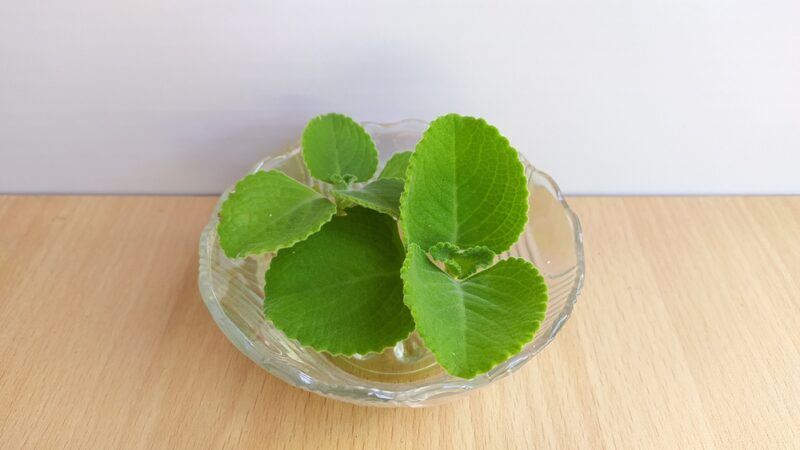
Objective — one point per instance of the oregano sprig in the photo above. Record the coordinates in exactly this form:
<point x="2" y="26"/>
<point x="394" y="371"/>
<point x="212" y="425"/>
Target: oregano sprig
<point x="344" y="281"/>
<point x="465" y="199"/>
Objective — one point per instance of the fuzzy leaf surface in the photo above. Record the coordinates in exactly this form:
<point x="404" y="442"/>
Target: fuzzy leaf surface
<point x="465" y="185"/>
<point x="268" y="211"/>
<point x="471" y="325"/>
<point x="382" y="195"/>
<point x="337" y="148"/>
<point x="340" y="291"/>
<point x="462" y="262"/>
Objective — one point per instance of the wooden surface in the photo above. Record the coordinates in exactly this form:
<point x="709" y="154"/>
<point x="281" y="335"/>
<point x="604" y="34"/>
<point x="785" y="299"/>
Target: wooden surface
<point x="687" y="335"/>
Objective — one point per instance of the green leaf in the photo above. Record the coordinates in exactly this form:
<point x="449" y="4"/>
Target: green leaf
<point x="462" y="262"/>
<point x="382" y="195"/>
<point x="268" y="211"/>
<point x="335" y="147"/>
<point x="339" y="291"/>
<point x="464" y="185"/>
<point x="472" y="325"/>
<point x="343" y="181"/>
<point x="396" y="166"/>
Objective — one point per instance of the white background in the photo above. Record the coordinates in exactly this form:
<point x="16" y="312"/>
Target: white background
<point x="639" y="96"/>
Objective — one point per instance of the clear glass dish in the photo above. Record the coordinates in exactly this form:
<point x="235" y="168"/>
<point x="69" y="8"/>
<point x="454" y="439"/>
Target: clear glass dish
<point x="406" y="375"/>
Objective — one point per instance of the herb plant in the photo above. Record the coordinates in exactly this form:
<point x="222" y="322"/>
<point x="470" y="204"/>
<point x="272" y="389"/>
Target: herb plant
<point x="345" y="280"/>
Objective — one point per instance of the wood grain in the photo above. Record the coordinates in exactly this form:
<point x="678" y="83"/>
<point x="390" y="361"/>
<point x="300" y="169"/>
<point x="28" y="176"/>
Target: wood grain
<point x="687" y="335"/>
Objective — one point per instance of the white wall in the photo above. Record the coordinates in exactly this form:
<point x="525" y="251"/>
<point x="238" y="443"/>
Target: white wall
<point x="638" y="96"/>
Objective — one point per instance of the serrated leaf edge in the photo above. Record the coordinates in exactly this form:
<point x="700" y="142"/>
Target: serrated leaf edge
<point x="360" y="202"/>
<point x="451" y="262"/>
<point x="325" y="347"/>
<point x="290" y="244"/>
<point x="373" y="155"/>
<point x="484" y="368"/>
<point x="520" y="173"/>
<point x="404" y="195"/>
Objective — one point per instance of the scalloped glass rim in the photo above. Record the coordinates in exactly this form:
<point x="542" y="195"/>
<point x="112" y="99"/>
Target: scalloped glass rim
<point x="232" y="290"/>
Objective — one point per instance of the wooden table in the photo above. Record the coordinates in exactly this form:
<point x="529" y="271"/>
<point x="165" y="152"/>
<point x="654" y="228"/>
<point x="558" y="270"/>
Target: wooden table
<point x="687" y="335"/>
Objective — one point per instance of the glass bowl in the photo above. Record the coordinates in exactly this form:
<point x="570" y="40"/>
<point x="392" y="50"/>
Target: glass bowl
<point x="407" y="374"/>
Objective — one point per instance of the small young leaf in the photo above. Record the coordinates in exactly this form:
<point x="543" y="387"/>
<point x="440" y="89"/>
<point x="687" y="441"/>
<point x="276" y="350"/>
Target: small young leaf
<point x="335" y="147"/>
<point x="396" y="166"/>
<point x="339" y="291"/>
<point x="462" y="263"/>
<point x="268" y="211"/>
<point x="464" y="185"/>
<point x="472" y="325"/>
<point x="343" y="180"/>
<point x="382" y="195"/>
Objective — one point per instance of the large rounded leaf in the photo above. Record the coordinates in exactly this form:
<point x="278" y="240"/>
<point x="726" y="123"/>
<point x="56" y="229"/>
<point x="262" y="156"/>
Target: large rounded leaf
<point x="340" y="291"/>
<point x="464" y="185"/>
<point x="268" y="211"/>
<point x="471" y="325"/>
